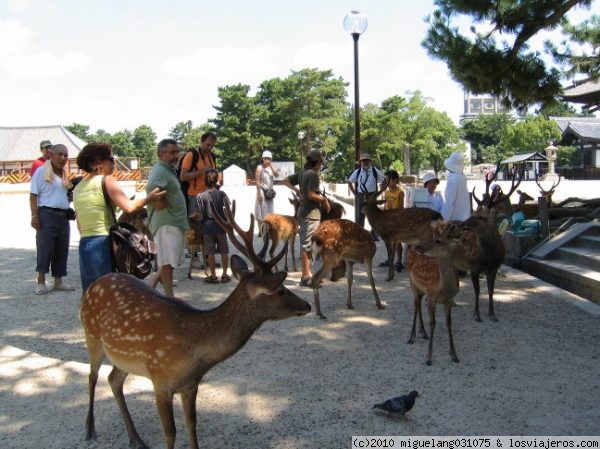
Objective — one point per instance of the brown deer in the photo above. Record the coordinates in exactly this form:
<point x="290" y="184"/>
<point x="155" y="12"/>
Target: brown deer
<point x="478" y="249"/>
<point x="488" y="204"/>
<point x="411" y="225"/>
<point x="173" y="344"/>
<point x="547" y="193"/>
<point x="432" y="272"/>
<point x="341" y="243"/>
<point x="277" y="228"/>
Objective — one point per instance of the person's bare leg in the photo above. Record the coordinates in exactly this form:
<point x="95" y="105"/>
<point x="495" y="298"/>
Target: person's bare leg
<point x="166" y="276"/>
<point x="306" y="263"/>
<point x="211" y="263"/>
<point x="225" y="263"/>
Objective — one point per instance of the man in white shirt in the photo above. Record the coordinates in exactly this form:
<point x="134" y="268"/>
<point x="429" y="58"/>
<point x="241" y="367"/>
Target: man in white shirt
<point x="364" y="176"/>
<point x="50" y="218"/>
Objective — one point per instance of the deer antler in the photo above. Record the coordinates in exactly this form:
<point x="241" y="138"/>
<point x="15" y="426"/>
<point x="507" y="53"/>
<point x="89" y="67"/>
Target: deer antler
<point x="550" y="191"/>
<point x="247" y="247"/>
<point x="377" y="193"/>
<point x="486" y="200"/>
<point x="516" y="180"/>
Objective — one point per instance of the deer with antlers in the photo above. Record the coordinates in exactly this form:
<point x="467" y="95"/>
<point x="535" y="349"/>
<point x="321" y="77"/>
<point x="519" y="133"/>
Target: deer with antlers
<point x="412" y="225"/>
<point x="173" y="344"/>
<point x="342" y="243"/>
<point x="432" y="272"/>
<point x="488" y="202"/>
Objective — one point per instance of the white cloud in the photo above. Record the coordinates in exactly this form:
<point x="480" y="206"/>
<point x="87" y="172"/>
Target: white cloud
<point x="20" y="6"/>
<point x="14" y="36"/>
<point x="224" y="65"/>
<point x="44" y="64"/>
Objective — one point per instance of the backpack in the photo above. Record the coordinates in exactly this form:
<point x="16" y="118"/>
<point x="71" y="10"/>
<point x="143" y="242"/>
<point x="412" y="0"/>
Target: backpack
<point x="186" y="184"/>
<point x="357" y="171"/>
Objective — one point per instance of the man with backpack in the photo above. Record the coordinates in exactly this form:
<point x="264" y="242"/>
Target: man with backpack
<point x="194" y="165"/>
<point x="365" y="176"/>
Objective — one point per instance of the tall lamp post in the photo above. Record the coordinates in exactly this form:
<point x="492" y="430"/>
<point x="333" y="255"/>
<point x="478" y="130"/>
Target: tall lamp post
<point x="356" y="23"/>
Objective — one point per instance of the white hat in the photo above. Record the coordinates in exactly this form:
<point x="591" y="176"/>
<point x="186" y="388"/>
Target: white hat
<point x="268" y="154"/>
<point x="455" y="163"/>
<point x="429" y="176"/>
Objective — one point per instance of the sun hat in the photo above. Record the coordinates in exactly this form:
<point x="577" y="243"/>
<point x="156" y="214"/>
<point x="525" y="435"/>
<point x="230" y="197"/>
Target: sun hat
<point x="455" y="163"/>
<point x="365" y="157"/>
<point x="268" y="154"/>
<point x="314" y="156"/>
<point x="45" y="143"/>
<point x="429" y="176"/>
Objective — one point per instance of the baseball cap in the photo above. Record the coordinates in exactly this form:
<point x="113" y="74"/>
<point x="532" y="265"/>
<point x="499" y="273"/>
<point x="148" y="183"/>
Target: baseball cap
<point x="45" y="143"/>
<point x="365" y="157"/>
<point x="314" y="156"/>
<point x="268" y="154"/>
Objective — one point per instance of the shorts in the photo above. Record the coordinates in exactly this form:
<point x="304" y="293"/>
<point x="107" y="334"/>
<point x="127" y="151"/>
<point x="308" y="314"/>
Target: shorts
<point x="215" y="243"/>
<point x="169" y="246"/>
<point x="308" y="226"/>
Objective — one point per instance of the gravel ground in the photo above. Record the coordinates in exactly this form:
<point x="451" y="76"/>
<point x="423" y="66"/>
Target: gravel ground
<point x="306" y="382"/>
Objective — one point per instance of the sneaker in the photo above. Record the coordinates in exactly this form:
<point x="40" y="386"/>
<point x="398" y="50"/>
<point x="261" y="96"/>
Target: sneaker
<point x="62" y="287"/>
<point x="40" y="289"/>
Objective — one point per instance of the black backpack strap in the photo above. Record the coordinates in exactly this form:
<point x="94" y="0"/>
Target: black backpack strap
<point x="107" y="201"/>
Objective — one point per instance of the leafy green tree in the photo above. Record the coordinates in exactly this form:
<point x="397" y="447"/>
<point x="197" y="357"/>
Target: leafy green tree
<point x="79" y="130"/>
<point x="568" y="156"/>
<point x="100" y="136"/>
<point x="529" y="135"/>
<point x="192" y="138"/>
<point x="236" y="127"/>
<point x="508" y="68"/>
<point x="121" y="143"/>
<point x="485" y="135"/>
<point x="180" y="130"/>
<point x="143" y="141"/>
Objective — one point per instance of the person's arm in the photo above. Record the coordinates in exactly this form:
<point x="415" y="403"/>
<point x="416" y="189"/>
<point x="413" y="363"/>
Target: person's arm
<point x="275" y="171"/>
<point x="33" y="205"/>
<point x="290" y="185"/>
<point x="257" y="174"/>
<point x="189" y="173"/>
<point x="119" y="199"/>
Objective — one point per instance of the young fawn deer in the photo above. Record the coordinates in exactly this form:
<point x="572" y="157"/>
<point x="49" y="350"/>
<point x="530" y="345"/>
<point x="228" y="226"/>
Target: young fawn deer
<point x="431" y="272"/>
<point x="277" y="228"/>
<point x="411" y="225"/>
<point x="338" y="241"/>
<point x="173" y="344"/>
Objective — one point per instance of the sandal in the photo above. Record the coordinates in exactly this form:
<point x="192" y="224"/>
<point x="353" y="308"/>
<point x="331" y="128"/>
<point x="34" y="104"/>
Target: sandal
<point x="305" y="282"/>
<point x="211" y="280"/>
<point x="225" y="278"/>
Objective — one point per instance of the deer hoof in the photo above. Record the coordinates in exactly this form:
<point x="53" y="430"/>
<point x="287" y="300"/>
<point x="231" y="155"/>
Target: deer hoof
<point x="411" y="340"/>
<point x="91" y="435"/>
<point x="189" y="275"/>
<point x="428" y="363"/>
<point x="493" y="318"/>
<point x="380" y="306"/>
<point x="455" y="359"/>
<point x="350" y="306"/>
<point x="323" y="317"/>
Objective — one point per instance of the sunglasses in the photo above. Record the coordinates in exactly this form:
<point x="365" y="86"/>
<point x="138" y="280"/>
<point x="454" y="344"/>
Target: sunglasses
<point x="110" y="158"/>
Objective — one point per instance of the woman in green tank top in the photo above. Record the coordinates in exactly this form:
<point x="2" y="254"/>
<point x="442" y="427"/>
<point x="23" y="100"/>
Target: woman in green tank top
<point x="93" y="219"/>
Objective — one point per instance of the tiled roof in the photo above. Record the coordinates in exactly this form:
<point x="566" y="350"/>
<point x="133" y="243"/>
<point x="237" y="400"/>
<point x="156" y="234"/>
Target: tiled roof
<point x="585" y="131"/>
<point x="21" y="143"/>
<point x="564" y="122"/>
<point x="535" y="156"/>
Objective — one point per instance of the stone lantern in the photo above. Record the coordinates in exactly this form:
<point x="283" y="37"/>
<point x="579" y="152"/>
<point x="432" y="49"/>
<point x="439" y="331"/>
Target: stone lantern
<point x="551" y="155"/>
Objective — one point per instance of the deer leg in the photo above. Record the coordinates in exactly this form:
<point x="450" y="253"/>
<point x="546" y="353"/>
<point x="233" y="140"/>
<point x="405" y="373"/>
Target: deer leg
<point x="95" y="354"/>
<point x="431" y="308"/>
<point x="192" y="257"/>
<point x="164" y="402"/>
<point x="390" y="247"/>
<point x="369" y="267"/>
<point x="316" y="282"/>
<point x="475" y="281"/>
<point x="274" y="244"/>
<point x="116" y="378"/>
<point x="422" y="330"/>
<point x="188" y="401"/>
<point x="350" y="279"/>
<point x="293" y="248"/>
<point x="448" y="308"/>
<point x="491" y="280"/>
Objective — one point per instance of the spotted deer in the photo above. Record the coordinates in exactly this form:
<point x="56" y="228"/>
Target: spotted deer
<point x="172" y="343"/>
<point x="432" y="272"/>
<point x="341" y="243"/>
<point x="277" y="228"/>
<point x="411" y="225"/>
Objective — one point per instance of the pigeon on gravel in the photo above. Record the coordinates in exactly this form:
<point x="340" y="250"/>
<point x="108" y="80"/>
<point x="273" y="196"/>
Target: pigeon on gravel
<point x="398" y="405"/>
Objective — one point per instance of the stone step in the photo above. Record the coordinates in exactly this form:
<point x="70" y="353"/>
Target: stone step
<point x="581" y="280"/>
<point x="586" y="257"/>
<point x="589" y="241"/>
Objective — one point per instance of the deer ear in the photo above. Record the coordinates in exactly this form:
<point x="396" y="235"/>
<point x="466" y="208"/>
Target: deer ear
<point x="238" y="266"/>
<point x="266" y="284"/>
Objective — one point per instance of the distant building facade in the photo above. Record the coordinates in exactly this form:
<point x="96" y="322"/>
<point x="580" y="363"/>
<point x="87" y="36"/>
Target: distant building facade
<point x="477" y="105"/>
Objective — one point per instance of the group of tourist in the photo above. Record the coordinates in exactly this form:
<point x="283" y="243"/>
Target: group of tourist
<point x="170" y="210"/>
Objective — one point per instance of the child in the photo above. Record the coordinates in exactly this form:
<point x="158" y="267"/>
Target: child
<point x="394" y="199"/>
<point x="215" y="238"/>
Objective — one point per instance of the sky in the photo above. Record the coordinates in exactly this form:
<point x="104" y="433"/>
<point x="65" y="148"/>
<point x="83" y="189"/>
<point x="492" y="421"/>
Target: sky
<point x="120" y="64"/>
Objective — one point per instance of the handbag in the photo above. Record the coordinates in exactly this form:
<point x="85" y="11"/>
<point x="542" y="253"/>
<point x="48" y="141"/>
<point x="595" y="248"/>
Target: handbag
<point x="132" y="251"/>
<point x="269" y="193"/>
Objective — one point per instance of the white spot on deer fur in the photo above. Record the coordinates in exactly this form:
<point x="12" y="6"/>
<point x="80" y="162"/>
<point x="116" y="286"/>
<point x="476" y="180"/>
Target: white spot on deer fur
<point x="160" y="353"/>
<point x="169" y="337"/>
<point x="113" y="286"/>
